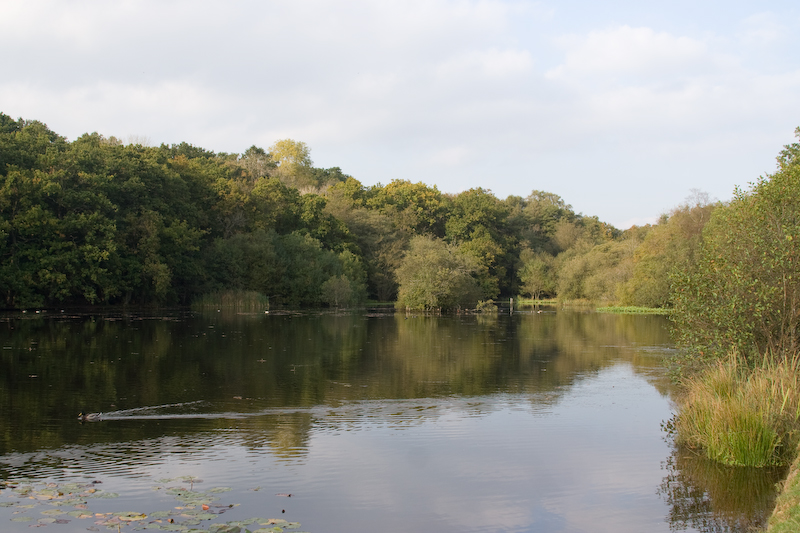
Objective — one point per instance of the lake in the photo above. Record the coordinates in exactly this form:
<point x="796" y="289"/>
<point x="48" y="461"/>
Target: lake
<point x="365" y="420"/>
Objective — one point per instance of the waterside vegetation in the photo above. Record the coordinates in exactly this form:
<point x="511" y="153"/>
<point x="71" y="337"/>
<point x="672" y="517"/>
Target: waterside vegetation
<point x="736" y="315"/>
<point x="96" y="221"/>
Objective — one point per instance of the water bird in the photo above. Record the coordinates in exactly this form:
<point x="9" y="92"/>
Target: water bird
<point x="90" y="417"/>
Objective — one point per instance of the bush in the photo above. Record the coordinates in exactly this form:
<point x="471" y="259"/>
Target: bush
<point x="743" y="292"/>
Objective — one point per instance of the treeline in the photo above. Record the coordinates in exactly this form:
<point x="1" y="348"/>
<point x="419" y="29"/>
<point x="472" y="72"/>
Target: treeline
<point x="98" y="221"/>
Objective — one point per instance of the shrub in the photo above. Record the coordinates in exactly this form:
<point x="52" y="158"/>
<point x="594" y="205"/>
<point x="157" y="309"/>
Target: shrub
<point x="743" y="293"/>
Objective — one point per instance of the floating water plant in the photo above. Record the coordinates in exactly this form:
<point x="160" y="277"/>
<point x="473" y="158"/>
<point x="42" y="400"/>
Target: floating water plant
<point x="39" y="504"/>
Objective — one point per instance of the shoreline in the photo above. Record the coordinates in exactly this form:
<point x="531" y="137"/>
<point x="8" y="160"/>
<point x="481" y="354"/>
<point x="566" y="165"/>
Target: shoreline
<point x="785" y="517"/>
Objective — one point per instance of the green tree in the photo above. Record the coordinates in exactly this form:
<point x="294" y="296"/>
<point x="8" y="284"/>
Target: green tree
<point x="477" y="222"/>
<point x="743" y="292"/>
<point x="666" y="248"/>
<point x="436" y="276"/>
<point x="537" y="274"/>
<point x="415" y="208"/>
<point x="257" y="162"/>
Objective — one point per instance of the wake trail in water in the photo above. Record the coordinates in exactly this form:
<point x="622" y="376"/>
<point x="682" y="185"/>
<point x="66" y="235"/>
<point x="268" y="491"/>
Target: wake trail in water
<point x="162" y="412"/>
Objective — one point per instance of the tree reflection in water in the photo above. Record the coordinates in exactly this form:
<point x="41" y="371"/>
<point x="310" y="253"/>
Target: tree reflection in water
<point x="710" y="497"/>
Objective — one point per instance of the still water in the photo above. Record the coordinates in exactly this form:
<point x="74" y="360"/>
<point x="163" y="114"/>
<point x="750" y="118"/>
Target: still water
<point x="358" y="421"/>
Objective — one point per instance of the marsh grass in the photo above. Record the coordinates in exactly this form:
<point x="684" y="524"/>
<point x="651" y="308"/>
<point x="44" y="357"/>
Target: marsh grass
<point x="238" y="300"/>
<point x="521" y="301"/>
<point x="634" y="310"/>
<point x="743" y="416"/>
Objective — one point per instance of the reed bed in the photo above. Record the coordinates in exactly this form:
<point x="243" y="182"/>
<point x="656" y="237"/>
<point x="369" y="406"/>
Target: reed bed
<point x="239" y="300"/>
<point x="743" y="416"/>
<point x="634" y="310"/>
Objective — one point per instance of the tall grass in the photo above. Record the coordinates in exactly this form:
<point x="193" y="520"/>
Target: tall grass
<point x="634" y="310"/>
<point x="237" y="300"/>
<point x="743" y="416"/>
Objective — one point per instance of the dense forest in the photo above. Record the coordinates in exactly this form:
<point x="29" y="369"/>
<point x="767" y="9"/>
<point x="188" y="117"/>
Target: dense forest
<point x="99" y="221"/>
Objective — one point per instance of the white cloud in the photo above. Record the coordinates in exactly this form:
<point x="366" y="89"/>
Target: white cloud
<point x="491" y="63"/>
<point x="634" y="51"/>
<point x="762" y="29"/>
<point x="450" y="157"/>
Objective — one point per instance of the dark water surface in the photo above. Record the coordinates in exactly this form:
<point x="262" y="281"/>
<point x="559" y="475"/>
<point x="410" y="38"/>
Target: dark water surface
<point x="372" y="421"/>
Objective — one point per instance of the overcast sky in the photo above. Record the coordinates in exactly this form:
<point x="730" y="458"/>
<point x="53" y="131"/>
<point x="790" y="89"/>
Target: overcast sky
<point x="621" y="107"/>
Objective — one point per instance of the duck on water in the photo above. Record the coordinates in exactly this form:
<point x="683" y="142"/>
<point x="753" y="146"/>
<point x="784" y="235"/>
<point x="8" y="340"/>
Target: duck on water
<point x="90" y="417"/>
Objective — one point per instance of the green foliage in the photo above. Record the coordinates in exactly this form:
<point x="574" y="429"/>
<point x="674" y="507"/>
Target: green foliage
<point x="477" y="223"/>
<point x="487" y="306"/>
<point x="257" y="162"/>
<point x="537" y="274"/>
<point x="538" y="216"/>
<point x="667" y="248"/>
<point x="98" y="221"/>
<point x="743" y="292"/>
<point x="436" y="276"/>
<point x="415" y="208"/>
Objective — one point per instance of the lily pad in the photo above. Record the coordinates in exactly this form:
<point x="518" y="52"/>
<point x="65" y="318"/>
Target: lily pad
<point x="130" y="516"/>
<point x="226" y="528"/>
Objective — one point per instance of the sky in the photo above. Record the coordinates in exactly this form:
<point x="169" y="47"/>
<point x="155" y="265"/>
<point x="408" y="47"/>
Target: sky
<point x="622" y="108"/>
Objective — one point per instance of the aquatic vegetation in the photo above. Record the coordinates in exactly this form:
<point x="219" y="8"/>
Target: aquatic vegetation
<point x="743" y="416"/>
<point x="39" y="503"/>
<point x="239" y="300"/>
<point x="634" y="310"/>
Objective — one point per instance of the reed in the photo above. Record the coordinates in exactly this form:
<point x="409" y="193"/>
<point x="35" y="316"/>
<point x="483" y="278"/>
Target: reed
<point x="743" y="416"/>
<point x="238" y="300"/>
<point x="521" y="301"/>
<point x="634" y="310"/>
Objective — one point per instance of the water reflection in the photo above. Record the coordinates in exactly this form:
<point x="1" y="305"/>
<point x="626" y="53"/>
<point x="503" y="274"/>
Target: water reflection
<point x="545" y="418"/>
<point x="51" y="369"/>
<point x="711" y="498"/>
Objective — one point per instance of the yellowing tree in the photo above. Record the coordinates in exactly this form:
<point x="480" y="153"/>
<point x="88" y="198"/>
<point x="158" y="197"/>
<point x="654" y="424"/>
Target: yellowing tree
<point x="294" y="162"/>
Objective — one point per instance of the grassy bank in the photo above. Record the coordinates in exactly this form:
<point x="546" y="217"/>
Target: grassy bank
<point x="743" y="416"/>
<point x="786" y="516"/>
<point x="748" y="416"/>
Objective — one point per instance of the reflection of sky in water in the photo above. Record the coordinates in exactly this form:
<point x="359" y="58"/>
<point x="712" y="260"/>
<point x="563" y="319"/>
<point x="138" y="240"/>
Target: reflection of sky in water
<point x="588" y="459"/>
